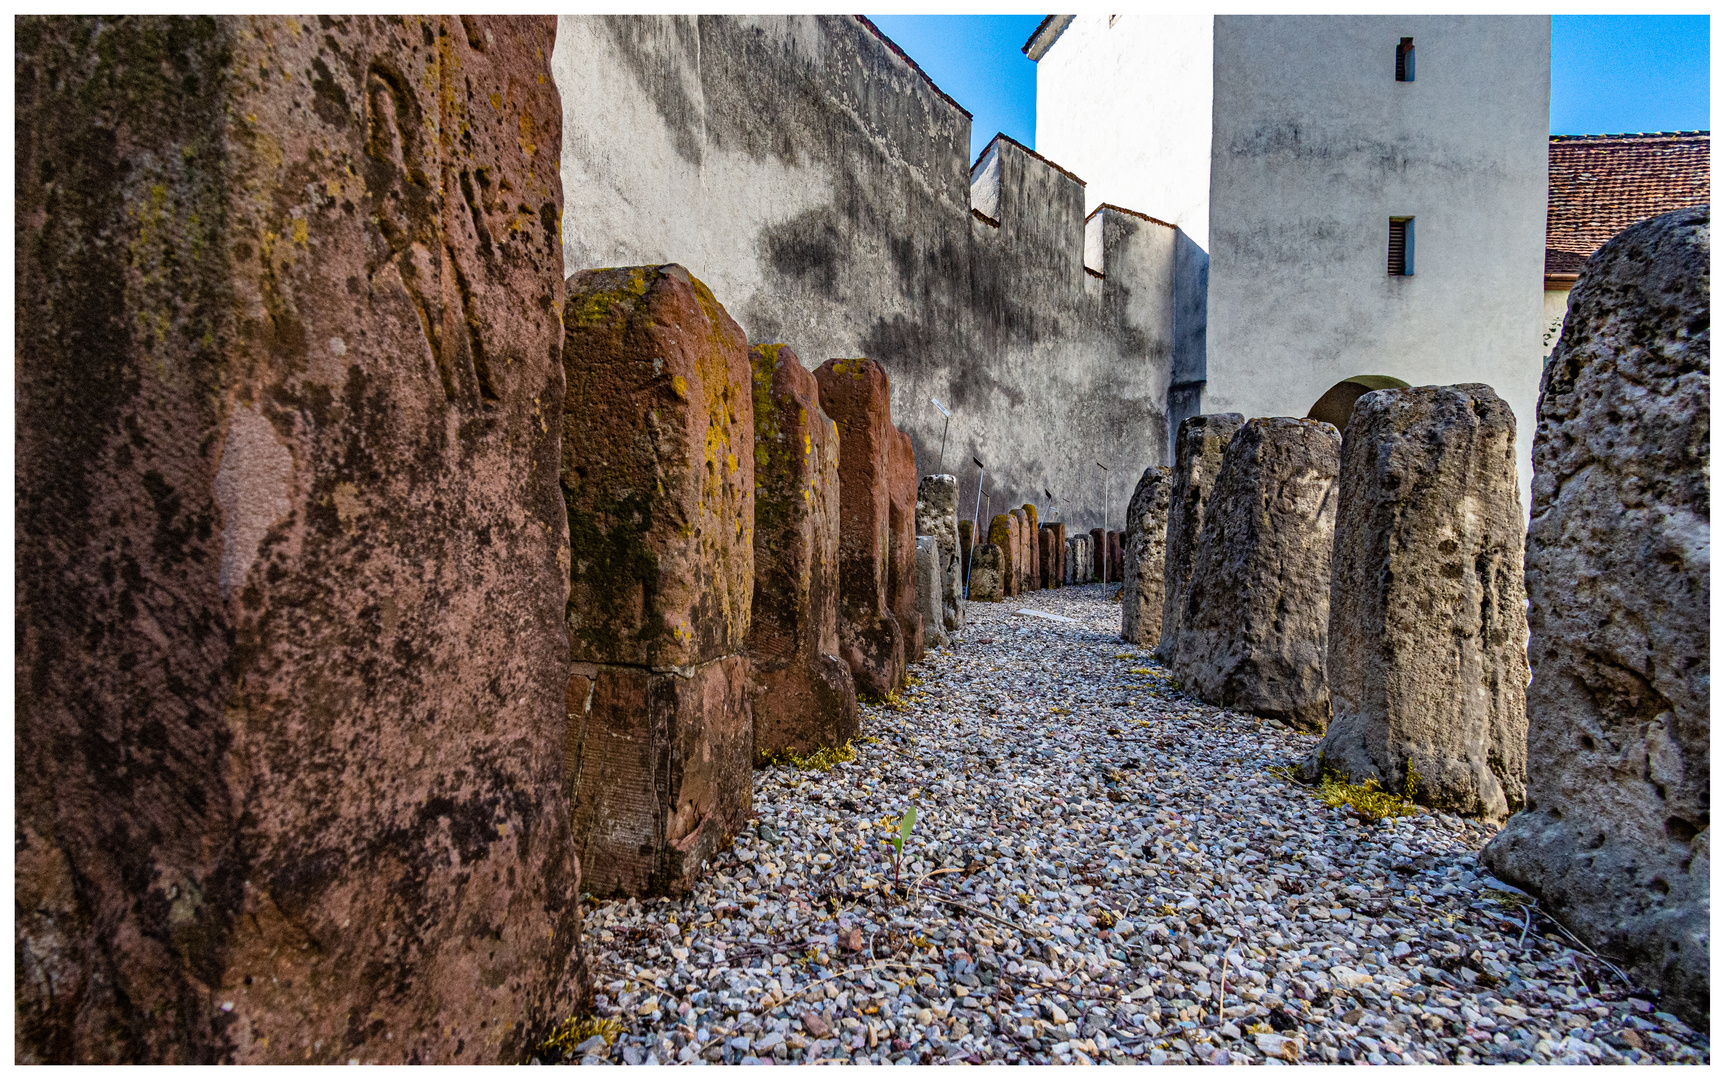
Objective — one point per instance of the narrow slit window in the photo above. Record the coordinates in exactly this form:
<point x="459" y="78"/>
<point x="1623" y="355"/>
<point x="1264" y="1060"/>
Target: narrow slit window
<point x="1402" y="247"/>
<point x="1405" y="60"/>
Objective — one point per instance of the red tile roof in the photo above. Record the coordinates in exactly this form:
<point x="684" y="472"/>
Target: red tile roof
<point x="1602" y="184"/>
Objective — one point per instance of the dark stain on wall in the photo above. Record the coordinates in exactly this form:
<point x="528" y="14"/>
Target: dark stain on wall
<point x="657" y="52"/>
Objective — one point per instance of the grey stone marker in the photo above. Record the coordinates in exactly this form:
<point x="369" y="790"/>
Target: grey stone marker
<point x="1255" y="620"/>
<point x="1078" y="559"/>
<point x="1614" y="837"/>
<point x="987" y="574"/>
<point x="937" y="516"/>
<point x="1198" y="447"/>
<point x="1427" y="657"/>
<point x="1145" y="546"/>
<point x="930" y="560"/>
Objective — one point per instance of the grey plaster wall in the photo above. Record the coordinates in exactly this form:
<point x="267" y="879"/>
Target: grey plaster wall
<point x="1315" y="147"/>
<point x="819" y="184"/>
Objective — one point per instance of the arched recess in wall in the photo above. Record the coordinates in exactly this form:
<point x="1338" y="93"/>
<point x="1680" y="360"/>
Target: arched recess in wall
<point x="1337" y="404"/>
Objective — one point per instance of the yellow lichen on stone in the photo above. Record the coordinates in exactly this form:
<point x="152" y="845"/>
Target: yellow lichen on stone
<point x="680" y="386"/>
<point x="597" y="304"/>
<point x="528" y="146"/>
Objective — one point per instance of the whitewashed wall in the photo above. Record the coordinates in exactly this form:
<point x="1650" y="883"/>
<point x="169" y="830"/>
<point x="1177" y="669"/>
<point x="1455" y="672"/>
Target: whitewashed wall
<point x="1127" y="107"/>
<point x="1315" y="146"/>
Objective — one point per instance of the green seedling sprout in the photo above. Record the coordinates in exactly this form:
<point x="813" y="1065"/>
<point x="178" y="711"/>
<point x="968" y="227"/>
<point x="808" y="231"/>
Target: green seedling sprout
<point x="905" y="824"/>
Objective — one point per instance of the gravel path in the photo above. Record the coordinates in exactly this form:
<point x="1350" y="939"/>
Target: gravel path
<point x="1101" y="869"/>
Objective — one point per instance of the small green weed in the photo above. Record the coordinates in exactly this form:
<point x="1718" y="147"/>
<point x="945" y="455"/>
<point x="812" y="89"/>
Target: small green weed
<point x="891" y="701"/>
<point x="820" y="761"/>
<point x="577" y="1030"/>
<point x="1368" y="800"/>
<point x="902" y="833"/>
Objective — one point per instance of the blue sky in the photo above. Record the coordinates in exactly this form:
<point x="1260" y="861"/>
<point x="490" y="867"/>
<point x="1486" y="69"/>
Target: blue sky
<point x="1609" y="73"/>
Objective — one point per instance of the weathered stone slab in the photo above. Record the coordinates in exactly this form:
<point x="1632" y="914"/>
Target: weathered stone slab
<point x="967" y="543"/>
<point x="1116" y="558"/>
<point x="1614" y="836"/>
<point x="1078" y="559"/>
<point x="1255" y="626"/>
<point x="1046" y="562"/>
<point x="937" y="516"/>
<point x="1032" y="548"/>
<point x="1061" y="573"/>
<point x="661" y="513"/>
<point x="1198" y="447"/>
<point x="1021" y="566"/>
<point x="1427" y="655"/>
<point x="802" y="694"/>
<point x="662" y="771"/>
<point x="901" y="579"/>
<point x="1098" y="553"/>
<point x="662" y="570"/>
<point x="289" y="724"/>
<point x="855" y="394"/>
<point x="1002" y="535"/>
<point x="928" y="591"/>
<point x="988" y="573"/>
<point x="1142" y="557"/>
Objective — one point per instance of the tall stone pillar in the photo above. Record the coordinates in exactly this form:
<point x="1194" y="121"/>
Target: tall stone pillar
<point x="290" y="548"/>
<point x="1614" y="839"/>
<point x="929" y="557"/>
<point x="1198" y="447"/>
<point x="1142" y="558"/>
<point x="988" y="573"/>
<point x="1002" y="535"/>
<point x="1032" y="547"/>
<point x="1427" y="656"/>
<point x="937" y="516"/>
<point x="856" y="395"/>
<point x="901" y="576"/>
<point x="1255" y="624"/>
<point x="803" y="697"/>
<point x="1021" y="570"/>
<point x="967" y="544"/>
<point x="659" y="478"/>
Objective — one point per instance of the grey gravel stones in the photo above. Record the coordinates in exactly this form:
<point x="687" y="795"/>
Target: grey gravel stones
<point x="1144" y="555"/>
<point x="1254" y="621"/>
<point x="1198" y="447"/>
<point x="1102" y="869"/>
<point x="1614" y="837"/>
<point x="1427" y="660"/>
